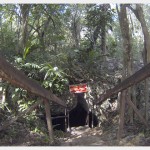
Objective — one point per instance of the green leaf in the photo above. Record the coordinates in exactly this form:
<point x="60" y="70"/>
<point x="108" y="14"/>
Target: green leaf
<point x="76" y="50"/>
<point x="26" y="52"/>
<point x="27" y="65"/>
<point x="49" y="66"/>
<point x="44" y="68"/>
<point x="18" y="60"/>
<point x="47" y="74"/>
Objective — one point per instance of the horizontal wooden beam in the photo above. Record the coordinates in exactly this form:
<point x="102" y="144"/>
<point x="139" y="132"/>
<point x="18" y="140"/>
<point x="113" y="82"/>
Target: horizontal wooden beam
<point x="130" y="81"/>
<point x="16" y="77"/>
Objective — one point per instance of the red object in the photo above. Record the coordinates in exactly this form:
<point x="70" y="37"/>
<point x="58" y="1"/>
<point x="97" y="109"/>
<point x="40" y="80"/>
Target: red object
<point x="78" y="88"/>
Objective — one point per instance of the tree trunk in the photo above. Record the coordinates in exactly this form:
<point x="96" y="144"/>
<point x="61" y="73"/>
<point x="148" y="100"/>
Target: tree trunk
<point x="104" y="9"/>
<point x="75" y="27"/>
<point x="133" y="98"/>
<point x="140" y="16"/>
<point x="146" y="52"/>
<point x="24" y="30"/>
<point x="126" y="36"/>
<point x="103" y="40"/>
<point x="127" y="61"/>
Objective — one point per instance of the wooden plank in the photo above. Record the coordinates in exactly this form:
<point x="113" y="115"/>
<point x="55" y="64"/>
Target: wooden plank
<point x="49" y="121"/>
<point x="137" y="112"/>
<point x="60" y="117"/>
<point x="66" y="119"/>
<point x="135" y="78"/>
<point x="16" y="77"/>
<point x="121" y="117"/>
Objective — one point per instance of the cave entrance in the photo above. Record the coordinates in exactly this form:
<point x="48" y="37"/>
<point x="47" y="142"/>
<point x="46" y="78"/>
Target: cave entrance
<point x="80" y="115"/>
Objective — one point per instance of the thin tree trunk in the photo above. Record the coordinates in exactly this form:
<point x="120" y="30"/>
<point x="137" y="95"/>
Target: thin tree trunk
<point x="127" y="61"/>
<point x="133" y="90"/>
<point x="104" y="9"/>
<point x="146" y="52"/>
<point x="146" y="94"/>
<point x="103" y="40"/>
<point x="76" y="29"/>
<point x="140" y="16"/>
<point x="103" y="45"/>
<point x="24" y="30"/>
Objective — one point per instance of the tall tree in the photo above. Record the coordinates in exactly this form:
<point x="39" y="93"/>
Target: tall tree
<point x="76" y="25"/>
<point x="24" y="9"/>
<point x="138" y="11"/>
<point x="126" y="36"/>
<point x="98" y="18"/>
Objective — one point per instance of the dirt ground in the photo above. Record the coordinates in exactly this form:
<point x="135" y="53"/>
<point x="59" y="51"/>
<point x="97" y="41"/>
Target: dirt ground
<point x="19" y="135"/>
<point x="84" y="136"/>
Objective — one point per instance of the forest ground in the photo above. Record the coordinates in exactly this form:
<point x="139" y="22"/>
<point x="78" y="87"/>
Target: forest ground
<point x="134" y="135"/>
<point x="84" y="136"/>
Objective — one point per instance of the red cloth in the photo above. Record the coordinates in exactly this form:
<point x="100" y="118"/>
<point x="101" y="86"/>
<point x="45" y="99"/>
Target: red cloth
<point x="79" y="88"/>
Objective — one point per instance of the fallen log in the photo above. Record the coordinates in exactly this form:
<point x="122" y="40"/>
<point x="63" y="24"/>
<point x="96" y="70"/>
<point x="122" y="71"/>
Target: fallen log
<point x="140" y="75"/>
<point x="16" y="77"/>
